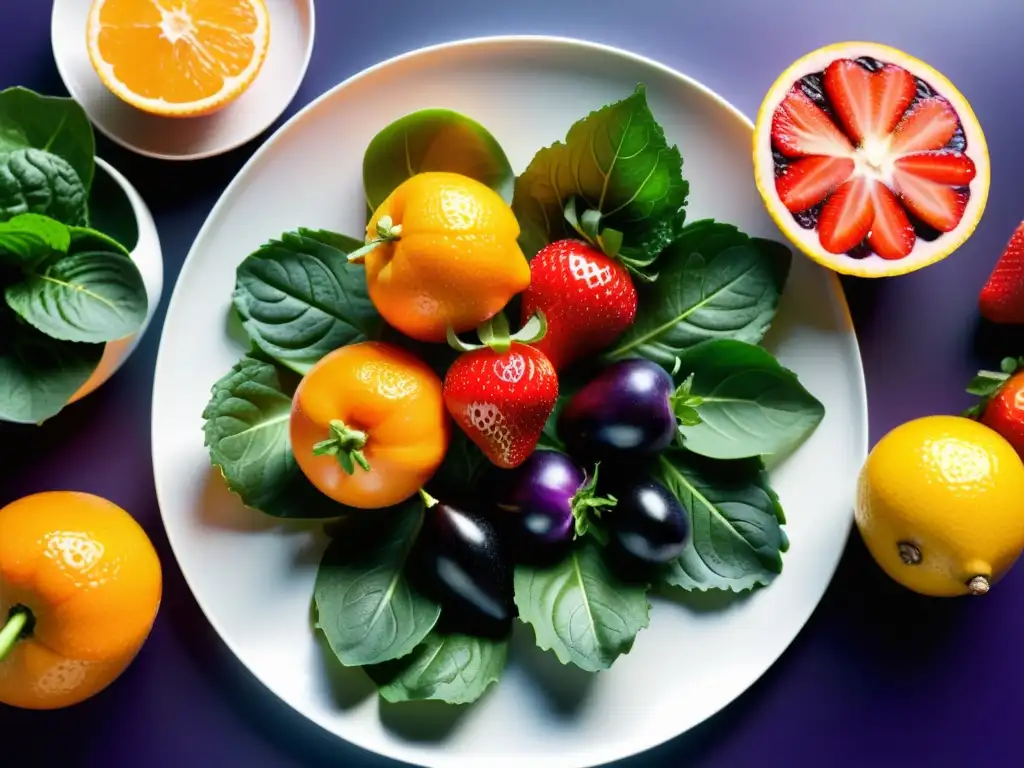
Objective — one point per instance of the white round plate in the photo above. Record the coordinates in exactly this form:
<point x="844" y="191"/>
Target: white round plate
<point x="292" y="25"/>
<point x="254" y="576"/>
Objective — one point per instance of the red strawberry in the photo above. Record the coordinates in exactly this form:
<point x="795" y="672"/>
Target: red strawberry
<point x="868" y="104"/>
<point x="892" y="235"/>
<point x="1001" y="406"/>
<point x="929" y="125"/>
<point x="800" y="127"/>
<point x="945" y="166"/>
<point x="810" y="180"/>
<point x="1002" y="298"/>
<point x="846" y="216"/>
<point x="587" y="298"/>
<point x="935" y="204"/>
<point x="502" y="399"/>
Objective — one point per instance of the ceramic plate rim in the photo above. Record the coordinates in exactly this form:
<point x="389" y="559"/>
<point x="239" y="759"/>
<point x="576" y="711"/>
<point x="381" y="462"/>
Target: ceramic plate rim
<point x="234" y="144"/>
<point x="838" y="299"/>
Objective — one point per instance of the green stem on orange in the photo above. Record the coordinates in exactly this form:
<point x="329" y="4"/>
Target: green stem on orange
<point x="345" y="444"/>
<point x="387" y="232"/>
<point x="12" y="630"/>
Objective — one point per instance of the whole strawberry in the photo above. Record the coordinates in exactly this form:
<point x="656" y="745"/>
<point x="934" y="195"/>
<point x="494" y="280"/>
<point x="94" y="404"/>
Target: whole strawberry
<point x="587" y="297"/>
<point x="1002" y="298"/>
<point x="1001" y="407"/>
<point x="502" y="392"/>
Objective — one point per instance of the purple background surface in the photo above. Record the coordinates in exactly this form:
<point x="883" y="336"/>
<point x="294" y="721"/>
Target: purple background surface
<point x="878" y="677"/>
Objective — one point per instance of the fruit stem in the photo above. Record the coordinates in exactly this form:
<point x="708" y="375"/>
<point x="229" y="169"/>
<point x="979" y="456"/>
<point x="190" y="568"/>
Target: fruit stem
<point x="684" y="404"/>
<point x="346" y="444"/>
<point x="979" y="585"/>
<point x="387" y="232"/>
<point x="909" y="553"/>
<point x="428" y="500"/>
<point x="13" y="629"/>
<point x="586" y="509"/>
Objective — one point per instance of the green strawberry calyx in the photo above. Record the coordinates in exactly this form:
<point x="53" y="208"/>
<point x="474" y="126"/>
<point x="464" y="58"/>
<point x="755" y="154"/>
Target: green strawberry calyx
<point x="495" y="334"/>
<point x="986" y="384"/>
<point x="607" y="240"/>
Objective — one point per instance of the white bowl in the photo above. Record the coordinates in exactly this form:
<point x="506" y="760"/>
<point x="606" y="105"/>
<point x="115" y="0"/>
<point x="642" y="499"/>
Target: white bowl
<point x="292" y="25"/>
<point x="148" y="257"/>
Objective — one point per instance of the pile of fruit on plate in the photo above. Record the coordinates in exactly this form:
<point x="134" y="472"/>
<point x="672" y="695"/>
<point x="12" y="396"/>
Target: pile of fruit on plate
<point x="538" y="397"/>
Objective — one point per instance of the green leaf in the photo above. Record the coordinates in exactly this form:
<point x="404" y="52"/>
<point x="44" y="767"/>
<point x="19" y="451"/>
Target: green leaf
<point x="88" y="239"/>
<point x="38" y="375"/>
<point x="299" y="299"/>
<point x="618" y="163"/>
<point x="749" y="405"/>
<point x="366" y="606"/>
<point x="246" y="433"/>
<point x="55" y="124"/>
<point x="580" y="610"/>
<point x="29" y="237"/>
<point x="453" y="668"/>
<point x="90" y="296"/>
<point x="434" y="140"/>
<point x="737" y="541"/>
<point x="111" y="211"/>
<point x="34" y="181"/>
<point x="463" y="467"/>
<point x="714" y="283"/>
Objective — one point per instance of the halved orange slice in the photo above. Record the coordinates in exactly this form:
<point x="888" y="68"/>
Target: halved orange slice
<point x="869" y="160"/>
<point x="178" y="58"/>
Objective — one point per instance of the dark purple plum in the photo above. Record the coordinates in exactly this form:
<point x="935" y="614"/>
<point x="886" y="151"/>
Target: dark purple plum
<point x="538" y="503"/>
<point x="460" y="561"/>
<point x="626" y="410"/>
<point x="648" y="523"/>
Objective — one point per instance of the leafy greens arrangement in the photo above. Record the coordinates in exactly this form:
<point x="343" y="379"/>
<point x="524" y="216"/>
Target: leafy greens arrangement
<point x="68" y="289"/>
<point x="707" y="295"/>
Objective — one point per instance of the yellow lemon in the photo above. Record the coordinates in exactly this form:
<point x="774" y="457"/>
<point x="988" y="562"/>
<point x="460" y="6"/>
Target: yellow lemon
<point x="940" y="505"/>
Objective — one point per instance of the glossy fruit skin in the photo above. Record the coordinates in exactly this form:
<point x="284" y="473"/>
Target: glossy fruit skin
<point x="533" y="504"/>
<point x="502" y="400"/>
<point x="624" y="411"/>
<point x="389" y="394"/>
<point x="1002" y="298"/>
<point x="647" y="522"/>
<point x="93" y="583"/>
<point x="950" y="487"/>
<point x="588" y="300"/>
<point x="1004" y="412"/>
<point x="460" y="561"/>
<point x="456" y="262"/>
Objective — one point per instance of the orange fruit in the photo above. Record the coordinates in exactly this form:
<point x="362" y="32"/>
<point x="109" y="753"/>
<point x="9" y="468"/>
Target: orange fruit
<point x="80" y="587"/>
<point x="869" y="160"/>
<point x="455" y="262"/>
<point x="178" y="59"/>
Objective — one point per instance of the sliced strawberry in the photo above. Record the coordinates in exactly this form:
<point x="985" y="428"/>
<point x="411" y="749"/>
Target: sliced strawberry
<point x="892" y="90"/>
<point x="800" y="127"/>
<point x="892" y="235"/>
<point x="848" y="86"/>
<point x="929" y="125"/>
<point x="944" y="166"/>
<point x="846" y="217"/>
<point x="937" y="205"/>
<point x="807" y="182"/>
<point x="1002" y="298"/>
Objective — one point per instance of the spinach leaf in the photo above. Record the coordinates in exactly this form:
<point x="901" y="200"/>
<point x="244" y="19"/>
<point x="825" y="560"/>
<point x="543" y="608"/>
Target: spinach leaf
<point x="714" y="283"/>
<point x="246" y="432"/>
<point x="29" y="238"/>
<point x="366" y="606"/>
<point x="299" y="299"/>
<point x="35" y="181"/>
<point x="736" y="518"/>
<point x="55" y="124"/>
<point x="91" y="296"/>
<point x="88" y="239"/>
<point x="749" y="405"/>
<point x="38" y="375"/>
<point x="580" y="609"/>
<point x="453" y="668"/>
<point x="434" y="140"/>
<point x="463" y="467"/>
<point x="615" y="161"/>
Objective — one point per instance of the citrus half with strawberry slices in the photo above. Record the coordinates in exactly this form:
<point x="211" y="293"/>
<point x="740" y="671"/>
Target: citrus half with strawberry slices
<point x="869" y="160"/>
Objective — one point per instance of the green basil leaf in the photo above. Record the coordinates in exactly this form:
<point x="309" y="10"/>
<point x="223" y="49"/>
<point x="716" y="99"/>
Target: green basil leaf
<point x="750" y="405"/>
<point x="246" y="432"/>
<point x="453" y="668"/>
<point x="89" y="239"/>
<point x="29" y="237"/>
<point x="90" y="296"/>
<point x="434" y="140"/>
<point x="35" y="181"/>
<point x="580" y="610"/>
<point x="616" y="161"/>
<point x="714" y="283"/>
<point x="38" y="375"/>
<point x="56" y="124"/>
<point x="365" y="604"/>
<point x="738" y="540"/>
<point x="300" y="299"/>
